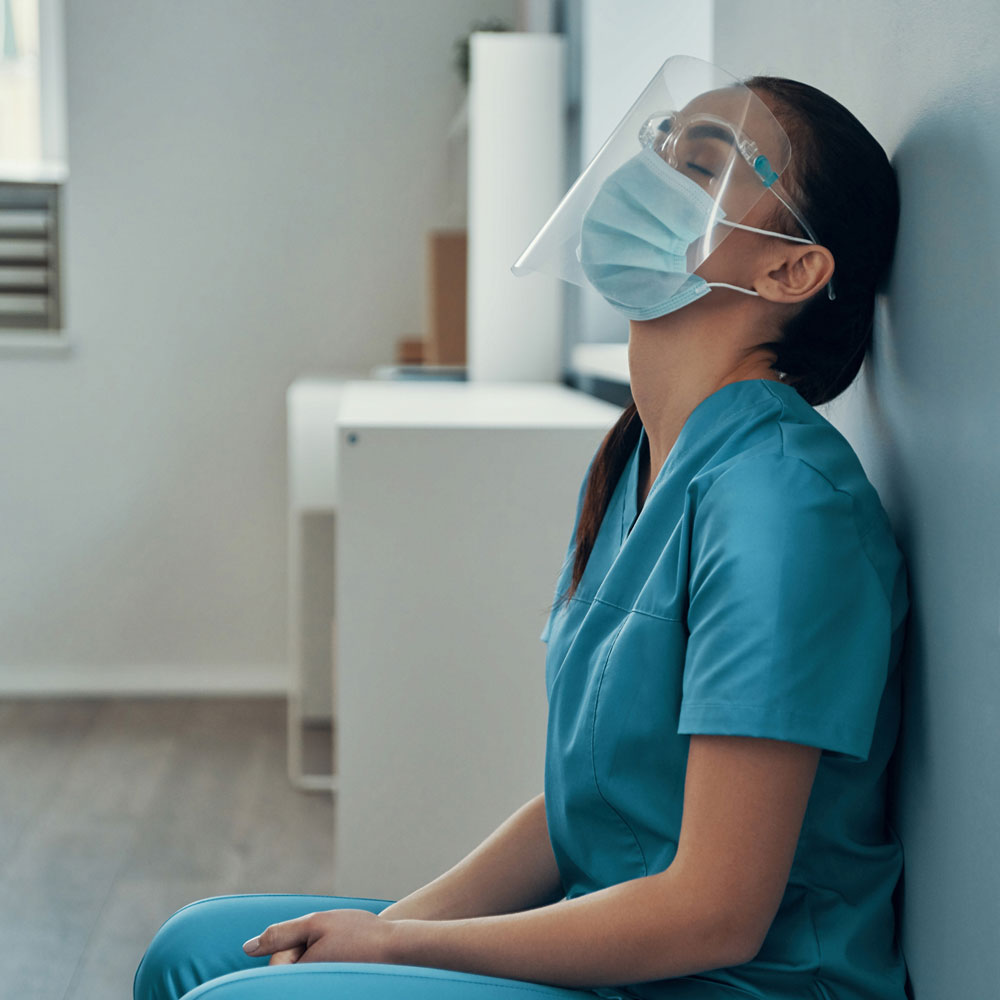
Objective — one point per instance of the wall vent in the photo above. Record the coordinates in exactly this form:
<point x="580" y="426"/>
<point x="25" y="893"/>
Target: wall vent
<point x="29" y="257"/>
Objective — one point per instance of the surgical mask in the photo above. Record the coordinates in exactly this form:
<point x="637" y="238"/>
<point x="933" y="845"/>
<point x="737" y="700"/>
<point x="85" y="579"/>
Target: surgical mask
<point x="636" y="233"/>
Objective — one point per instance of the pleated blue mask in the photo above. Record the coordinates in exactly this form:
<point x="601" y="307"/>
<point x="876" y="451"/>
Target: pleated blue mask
<point x="636" y="233"/>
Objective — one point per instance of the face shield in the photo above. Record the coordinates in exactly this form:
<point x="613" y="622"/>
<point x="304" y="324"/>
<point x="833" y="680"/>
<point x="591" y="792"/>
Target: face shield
<point x="692" y="157"/>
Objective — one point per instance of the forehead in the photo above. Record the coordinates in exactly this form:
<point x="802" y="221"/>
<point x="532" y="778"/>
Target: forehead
<point x="748" y="114"/>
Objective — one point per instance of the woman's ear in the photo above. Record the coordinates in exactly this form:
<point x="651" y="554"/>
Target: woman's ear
<point x="801" y="272"/>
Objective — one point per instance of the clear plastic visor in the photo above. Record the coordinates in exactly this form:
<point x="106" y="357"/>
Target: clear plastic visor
<point x="703" y="123"/>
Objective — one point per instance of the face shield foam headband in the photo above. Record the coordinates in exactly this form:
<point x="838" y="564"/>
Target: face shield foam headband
<point x="664" y="192"/>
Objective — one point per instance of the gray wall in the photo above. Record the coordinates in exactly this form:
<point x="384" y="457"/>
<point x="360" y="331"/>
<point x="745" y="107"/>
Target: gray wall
<point x="924" y="77"/>
<point x="250" y="185"/>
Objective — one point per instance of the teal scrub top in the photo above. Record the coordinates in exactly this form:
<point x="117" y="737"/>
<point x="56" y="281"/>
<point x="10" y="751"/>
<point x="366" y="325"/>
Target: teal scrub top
<point x="760" y="592"/>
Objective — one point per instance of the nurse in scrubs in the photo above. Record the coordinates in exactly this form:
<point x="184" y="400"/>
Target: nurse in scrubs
<point x="722" y="662"/>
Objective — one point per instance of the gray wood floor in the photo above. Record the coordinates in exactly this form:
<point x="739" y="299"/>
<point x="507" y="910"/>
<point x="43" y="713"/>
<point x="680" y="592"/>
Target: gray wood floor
<point x="116" y="812"/>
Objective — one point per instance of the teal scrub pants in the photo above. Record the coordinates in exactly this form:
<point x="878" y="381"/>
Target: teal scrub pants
<point x="198" y="953"/>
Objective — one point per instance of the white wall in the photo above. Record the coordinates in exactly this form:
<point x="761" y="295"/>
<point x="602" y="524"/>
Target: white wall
<point x="250" y="184"/>
<point x="924" y="76"/>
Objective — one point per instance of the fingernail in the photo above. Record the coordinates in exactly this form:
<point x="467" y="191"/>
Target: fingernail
<point x="252" y="945"/>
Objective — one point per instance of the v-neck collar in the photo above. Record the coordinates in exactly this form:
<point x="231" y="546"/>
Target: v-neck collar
<point x="630" y="496"/>
<point x="710" y="416"/>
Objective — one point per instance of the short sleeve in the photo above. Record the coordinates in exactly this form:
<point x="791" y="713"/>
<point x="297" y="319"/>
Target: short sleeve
<point x="789" y="624"/>
<point x="564" y="573"/>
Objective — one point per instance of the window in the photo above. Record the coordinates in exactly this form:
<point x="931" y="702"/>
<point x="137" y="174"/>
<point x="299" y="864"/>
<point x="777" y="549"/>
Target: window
<point x="20" y="99"/>
<point x="32" y="166"/>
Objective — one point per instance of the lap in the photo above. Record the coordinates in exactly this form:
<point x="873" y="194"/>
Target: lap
<point x="198" y="953"/>
<point x="204" y="940"/>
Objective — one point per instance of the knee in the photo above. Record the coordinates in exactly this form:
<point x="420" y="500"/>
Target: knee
<point x="177" y="958"/>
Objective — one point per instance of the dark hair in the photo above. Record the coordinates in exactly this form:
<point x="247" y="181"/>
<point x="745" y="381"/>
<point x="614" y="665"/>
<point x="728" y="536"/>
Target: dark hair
<point x="844" y="185"/>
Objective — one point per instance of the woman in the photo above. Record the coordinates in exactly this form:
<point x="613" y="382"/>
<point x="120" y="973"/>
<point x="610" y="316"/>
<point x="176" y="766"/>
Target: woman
<point x="722" y="665"/>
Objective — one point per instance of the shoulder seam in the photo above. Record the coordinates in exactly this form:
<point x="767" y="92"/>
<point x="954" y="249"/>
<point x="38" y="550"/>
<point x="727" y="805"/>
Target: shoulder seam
<point x="785" y="457"/>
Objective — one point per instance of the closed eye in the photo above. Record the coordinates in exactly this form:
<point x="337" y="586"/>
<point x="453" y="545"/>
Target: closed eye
<point x="700" y="169"/>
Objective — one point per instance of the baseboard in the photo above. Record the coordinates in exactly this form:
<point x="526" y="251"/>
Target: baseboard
<point x="241" y="680"/>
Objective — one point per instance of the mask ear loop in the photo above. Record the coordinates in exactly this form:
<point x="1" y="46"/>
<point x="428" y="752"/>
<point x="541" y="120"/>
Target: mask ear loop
<point x="780" y="236"/>
<point x="735" y="288"/>
<point x="763" y="232"/>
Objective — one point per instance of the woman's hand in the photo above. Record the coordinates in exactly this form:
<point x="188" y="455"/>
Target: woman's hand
<point x="326" y="936"/>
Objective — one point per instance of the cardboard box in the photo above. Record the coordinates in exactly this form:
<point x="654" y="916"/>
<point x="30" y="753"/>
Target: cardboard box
<point x="411" y="351"/>
<point x="446" y="256"/>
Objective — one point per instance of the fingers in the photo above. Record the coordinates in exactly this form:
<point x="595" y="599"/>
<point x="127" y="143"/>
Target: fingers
<point x="287" y="957"/>
<point x="287" y="935"/>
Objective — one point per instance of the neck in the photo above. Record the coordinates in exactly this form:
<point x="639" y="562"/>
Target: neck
<point x="679" y="360"/>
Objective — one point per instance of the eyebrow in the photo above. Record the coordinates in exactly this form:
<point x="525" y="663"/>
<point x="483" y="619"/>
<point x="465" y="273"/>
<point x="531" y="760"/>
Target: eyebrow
<point x="711" y="132"/>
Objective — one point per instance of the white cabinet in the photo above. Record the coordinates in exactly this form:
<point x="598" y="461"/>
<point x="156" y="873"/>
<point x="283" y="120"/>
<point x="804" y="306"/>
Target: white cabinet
<point x="454" y="509"/>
